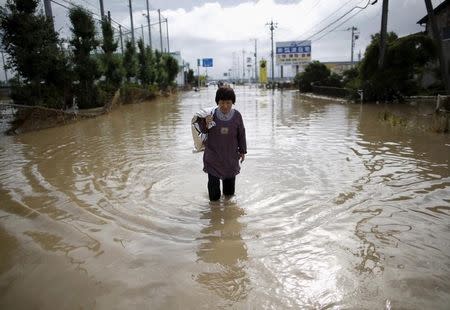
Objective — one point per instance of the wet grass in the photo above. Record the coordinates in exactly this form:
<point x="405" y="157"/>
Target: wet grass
<point x="438" y="122"/>
<point x="393" y="119"/>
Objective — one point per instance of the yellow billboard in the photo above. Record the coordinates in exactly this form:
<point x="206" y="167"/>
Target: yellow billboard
<point x="263" y="71"/>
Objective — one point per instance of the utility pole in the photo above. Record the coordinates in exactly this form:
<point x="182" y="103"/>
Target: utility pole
<point x="160" y="31"/>
<point x="167" y="34"/>
<point x="437" y="38"/>
<point x="272" y="27"/>
<point x="142" y="34"/>
<point x="102" y="10"/>
<point x="383" y="33"/>
<point x="121" y="41"/>
<point x="149" y="27"/>
<point x="354" y="38"/>
<point x="48" y="11"/>
<point x="132" y="26"/>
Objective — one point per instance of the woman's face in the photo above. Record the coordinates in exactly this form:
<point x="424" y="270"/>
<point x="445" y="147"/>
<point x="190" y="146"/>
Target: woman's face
<point x="225" y="106"/>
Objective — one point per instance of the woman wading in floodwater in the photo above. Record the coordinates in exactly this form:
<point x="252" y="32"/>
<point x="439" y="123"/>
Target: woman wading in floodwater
<point x="225" y="145"/>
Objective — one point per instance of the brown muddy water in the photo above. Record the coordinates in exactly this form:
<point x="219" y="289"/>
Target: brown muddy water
<point x="334" y="210"/>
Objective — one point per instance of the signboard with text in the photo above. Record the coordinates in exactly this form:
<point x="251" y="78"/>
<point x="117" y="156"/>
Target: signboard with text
<point x="293" y="52"/>
<point x="207" y="62"/>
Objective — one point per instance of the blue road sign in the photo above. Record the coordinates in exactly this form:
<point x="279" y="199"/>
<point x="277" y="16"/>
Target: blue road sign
<point x="207" y="62"/>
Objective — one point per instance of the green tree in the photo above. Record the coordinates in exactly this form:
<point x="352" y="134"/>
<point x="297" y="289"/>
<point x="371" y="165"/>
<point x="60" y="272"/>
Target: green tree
<point x="129" y="61"/>
<point x="349" y="76"/>
<point x="85" y="66"/>
<point x="160" y="74"/>
<point x="112" y="66"/>
<point x="33" y="52"/>
<point x="170" y="67"/>
<point x="190" y="79"/>
<point x="151" y="64"/>
<point x="333" y="80"/>
<point x="143" y="64"/>
<point x="315" y="72"/>
<point x="404" y="61"/>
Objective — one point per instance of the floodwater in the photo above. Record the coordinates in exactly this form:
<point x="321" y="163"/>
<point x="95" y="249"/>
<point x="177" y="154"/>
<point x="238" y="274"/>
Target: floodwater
<point x="334" y="209"/>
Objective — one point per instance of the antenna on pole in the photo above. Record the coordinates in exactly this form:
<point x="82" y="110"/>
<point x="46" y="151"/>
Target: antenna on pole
<point x="272" y="27"/>
<point x="355" y="36"/>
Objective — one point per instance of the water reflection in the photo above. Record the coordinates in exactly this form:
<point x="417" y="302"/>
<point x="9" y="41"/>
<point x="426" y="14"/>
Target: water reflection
<point x="223" y="246"/>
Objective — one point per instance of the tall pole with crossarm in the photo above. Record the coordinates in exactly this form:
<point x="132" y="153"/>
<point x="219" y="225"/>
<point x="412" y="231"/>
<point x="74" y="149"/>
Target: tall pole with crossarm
<point x="272" y="27"/>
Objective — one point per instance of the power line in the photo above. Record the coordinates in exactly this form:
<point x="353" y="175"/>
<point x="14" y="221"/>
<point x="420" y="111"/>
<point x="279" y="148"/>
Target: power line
<point x="98" y="17"/>
<point x="335" y="21"/>
<point x="341" y="17"/>
<point x="91" y="5"/>
<point x="315" y="40"/>
<point x="333" y="13"/>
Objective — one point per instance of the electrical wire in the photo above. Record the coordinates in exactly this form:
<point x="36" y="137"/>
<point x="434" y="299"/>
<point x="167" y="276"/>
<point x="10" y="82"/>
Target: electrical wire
<point x="96" y="16"/>
<point x="327" y="33"/>
<point x="333" y="13"/>
<point x="338" y="19"/>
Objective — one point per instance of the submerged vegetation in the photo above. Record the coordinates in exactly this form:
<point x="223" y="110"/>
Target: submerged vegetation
<point x="55" y="73"/>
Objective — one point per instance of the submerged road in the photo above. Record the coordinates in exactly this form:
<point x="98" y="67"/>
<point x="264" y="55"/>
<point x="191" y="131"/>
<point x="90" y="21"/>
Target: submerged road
<point x="334" y="209"/>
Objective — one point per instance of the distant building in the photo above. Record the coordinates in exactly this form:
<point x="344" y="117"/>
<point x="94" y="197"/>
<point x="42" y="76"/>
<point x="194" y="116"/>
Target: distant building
<point x="180" y="76"/>
<point x="442" y="14"/>
<point x="339" y="66"/>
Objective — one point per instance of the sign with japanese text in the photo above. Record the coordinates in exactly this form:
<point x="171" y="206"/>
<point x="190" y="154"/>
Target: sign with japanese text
<point x="293" y="52"/>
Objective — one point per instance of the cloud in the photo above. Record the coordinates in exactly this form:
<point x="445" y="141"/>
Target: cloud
<point x="212" y="30"/>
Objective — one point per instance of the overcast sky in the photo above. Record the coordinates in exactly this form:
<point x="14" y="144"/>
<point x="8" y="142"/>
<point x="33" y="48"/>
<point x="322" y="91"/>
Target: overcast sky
<point x="222" y="30"/>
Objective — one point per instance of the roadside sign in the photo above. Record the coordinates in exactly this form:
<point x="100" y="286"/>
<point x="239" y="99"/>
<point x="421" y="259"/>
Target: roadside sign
<point x="263" y="71"/>
<point x="293" y="52"/>
<point x="207" y="62"/>
<point x="198" y="62"/>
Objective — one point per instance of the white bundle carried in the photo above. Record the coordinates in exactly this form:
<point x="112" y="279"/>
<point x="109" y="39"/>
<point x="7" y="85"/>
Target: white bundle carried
<point x="197" y="135"/>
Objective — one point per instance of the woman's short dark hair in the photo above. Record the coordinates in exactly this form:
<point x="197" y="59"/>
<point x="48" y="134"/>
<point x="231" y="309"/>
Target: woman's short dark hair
<point x="225" y="93"/>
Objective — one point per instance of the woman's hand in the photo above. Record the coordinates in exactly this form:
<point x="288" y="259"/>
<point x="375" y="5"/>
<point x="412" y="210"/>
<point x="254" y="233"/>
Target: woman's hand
<point x="242" y="156"/>
<point x="209" y="120"/>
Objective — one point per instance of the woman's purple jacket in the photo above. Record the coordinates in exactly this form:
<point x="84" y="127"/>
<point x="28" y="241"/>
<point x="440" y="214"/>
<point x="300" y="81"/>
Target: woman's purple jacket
<point x="225" y="142"/>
